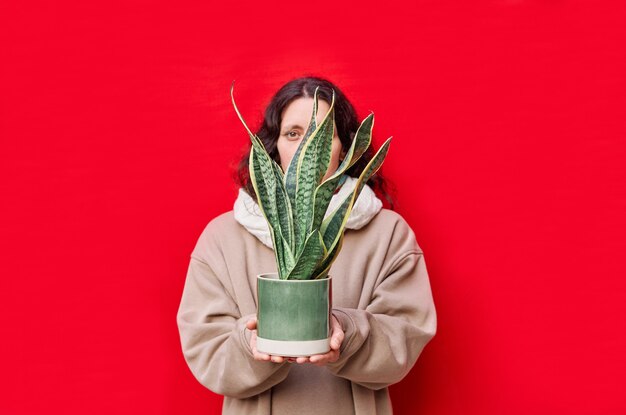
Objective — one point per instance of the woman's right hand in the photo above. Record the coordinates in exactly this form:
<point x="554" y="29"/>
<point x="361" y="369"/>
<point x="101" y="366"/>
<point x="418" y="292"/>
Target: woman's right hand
<point x="251" y="325"/>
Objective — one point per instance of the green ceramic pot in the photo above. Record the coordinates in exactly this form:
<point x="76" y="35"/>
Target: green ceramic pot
<point x="293" y="316"/>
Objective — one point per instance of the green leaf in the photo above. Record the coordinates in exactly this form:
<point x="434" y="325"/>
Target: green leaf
<point x="288" y="260"/>
<point x="312" y="165"/>
<point x="268" y="208"/>
<point x="324" y="192"/>
<point x="267" y="181"/>
<point x="284" y="210"/>
<point x="291" y="174"/>
<point x="362" y="140"/>
<point x="332" y="227"/>
<point x="324" y="266"/>
<point x="309" y="258"/>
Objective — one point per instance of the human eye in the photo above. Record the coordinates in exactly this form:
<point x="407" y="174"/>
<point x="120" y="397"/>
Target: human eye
<point x="292" y="134"/>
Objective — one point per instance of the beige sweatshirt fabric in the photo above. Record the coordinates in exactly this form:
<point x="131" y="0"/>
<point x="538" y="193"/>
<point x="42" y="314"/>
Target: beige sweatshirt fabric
<point x="381" y="295"/>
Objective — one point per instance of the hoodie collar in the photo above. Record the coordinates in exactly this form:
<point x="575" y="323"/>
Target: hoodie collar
<point x="248" y="213"/>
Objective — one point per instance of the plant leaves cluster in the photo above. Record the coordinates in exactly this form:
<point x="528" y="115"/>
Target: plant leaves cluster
<point x="307" y="241"/>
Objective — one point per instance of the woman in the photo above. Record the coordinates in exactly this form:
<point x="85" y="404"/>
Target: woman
<point x="383" y="313"/>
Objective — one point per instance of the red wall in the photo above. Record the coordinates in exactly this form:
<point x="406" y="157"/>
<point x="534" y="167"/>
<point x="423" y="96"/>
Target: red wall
<point x="118" y="137"/>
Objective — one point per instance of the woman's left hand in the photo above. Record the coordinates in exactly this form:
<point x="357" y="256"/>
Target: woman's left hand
<point x="336" y="339"/>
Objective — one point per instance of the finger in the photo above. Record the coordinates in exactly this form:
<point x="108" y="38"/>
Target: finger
<point x="336" y="340"/>
<point x="251" y="324"/>
<point x="277" y="359"/>
<point x="260" y="356"/>
<point x="301" y="360"/>
<point x="335" y="324"/>
<point x="338" y="334"/>
<point x="316" y="358"/>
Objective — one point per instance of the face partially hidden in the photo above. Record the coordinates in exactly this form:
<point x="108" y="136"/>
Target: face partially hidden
<point x="295" y="121"/>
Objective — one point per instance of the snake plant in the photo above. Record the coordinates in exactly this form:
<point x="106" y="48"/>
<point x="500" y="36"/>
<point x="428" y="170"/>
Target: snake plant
<point x="295" y="202"/>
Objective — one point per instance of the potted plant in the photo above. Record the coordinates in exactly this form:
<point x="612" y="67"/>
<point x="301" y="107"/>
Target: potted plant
<point x="293" y="310"/>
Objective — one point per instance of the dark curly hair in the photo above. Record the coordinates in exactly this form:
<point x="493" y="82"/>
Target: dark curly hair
<point x="345" y="120"/>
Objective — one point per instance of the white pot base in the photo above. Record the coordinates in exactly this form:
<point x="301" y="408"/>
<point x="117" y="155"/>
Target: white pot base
<point x="290" y="348"/>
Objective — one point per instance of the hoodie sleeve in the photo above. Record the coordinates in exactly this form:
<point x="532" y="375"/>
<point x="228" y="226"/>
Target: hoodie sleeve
<point x="383" y="341"/>
<point x="215" y="340"/>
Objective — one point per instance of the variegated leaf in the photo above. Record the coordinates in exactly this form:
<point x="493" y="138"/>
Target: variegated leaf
<point x="324" y="266"/>
<point x="324" y="191"/>
<point x="309" y="258"/>
<point x="264" y="171"/>
<point x="316" y="151"/>
<point x="268" y="208"/>
<point x="268" y="185"/>
<point x="333" y="225"/>
<point x="291" y="174"/>
<point x="288" y="260"/>
<point x="284" y="210"/>
<point x="362" y="140"/>
<point x="291" y="177"/>
<point x="259" y="187"/>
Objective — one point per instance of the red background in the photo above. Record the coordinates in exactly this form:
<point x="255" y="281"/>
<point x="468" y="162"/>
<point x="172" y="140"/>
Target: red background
<point x="117" y="145"/>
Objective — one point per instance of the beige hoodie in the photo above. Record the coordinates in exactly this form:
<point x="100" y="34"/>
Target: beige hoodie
<point x="381" y="296"/>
